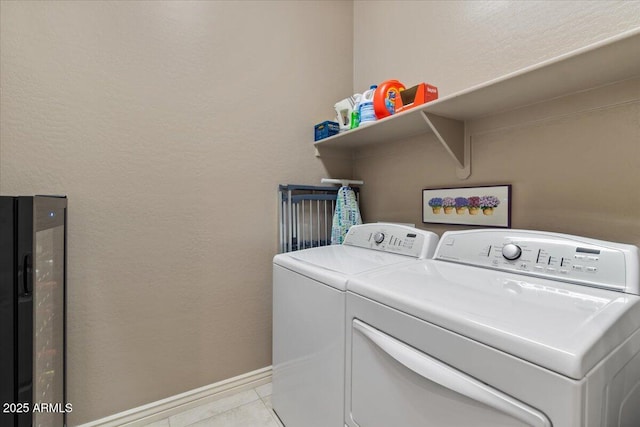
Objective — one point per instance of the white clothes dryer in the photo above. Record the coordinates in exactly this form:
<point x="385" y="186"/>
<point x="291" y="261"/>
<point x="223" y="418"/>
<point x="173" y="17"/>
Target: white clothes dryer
<point x="309" y="316"/>
<point x="501" y="328"/>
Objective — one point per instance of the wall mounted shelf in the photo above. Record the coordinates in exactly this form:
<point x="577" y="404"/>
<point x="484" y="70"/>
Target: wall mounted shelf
<point x="609" y="61"/>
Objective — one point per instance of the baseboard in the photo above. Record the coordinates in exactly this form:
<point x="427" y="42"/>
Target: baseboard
<point x="164" y="408"/>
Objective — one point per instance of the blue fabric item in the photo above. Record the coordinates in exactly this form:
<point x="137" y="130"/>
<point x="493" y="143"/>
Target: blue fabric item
<point x="346" y="214"/>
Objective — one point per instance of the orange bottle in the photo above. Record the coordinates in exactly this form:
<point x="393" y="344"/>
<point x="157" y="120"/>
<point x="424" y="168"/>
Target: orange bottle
<point x="384" y="99"/>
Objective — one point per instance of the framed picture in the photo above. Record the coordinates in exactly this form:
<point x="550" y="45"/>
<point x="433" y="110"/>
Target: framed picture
<point x="482" y="206"/>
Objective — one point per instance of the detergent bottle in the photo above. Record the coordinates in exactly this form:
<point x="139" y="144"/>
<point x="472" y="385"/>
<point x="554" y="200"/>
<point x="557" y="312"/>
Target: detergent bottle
<point x="355" y="114"/>
<point x="344" y="111"/>
<point x="367" y="113"/>
<point x="384" y="100"/>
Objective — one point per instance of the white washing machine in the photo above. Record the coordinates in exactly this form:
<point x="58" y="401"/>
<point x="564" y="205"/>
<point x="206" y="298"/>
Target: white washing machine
<point x="309" y="316"/>
<point x="501" y="328"/>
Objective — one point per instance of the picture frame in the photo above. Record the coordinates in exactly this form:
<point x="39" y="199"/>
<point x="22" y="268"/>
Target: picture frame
<point x="484" y="206"/>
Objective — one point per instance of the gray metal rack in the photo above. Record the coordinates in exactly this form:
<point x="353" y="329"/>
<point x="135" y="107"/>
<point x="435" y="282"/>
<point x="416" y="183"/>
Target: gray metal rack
<point x="305" y="214"/>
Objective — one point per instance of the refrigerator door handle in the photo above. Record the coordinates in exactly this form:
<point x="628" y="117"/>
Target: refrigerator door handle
<point x="27" y="276"/>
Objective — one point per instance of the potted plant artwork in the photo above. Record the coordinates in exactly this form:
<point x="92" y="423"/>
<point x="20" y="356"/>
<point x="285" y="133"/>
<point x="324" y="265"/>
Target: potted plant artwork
<point x="436" y="204"/>
<point x="448" y="203"/>
<point x="488" y="203"/>
<point x="473" y="205"/>
<point x="494" y="201"/>
<point x="461" y="205"/>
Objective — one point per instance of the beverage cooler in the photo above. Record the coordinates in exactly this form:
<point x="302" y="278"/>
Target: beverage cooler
<point x="32" y="311"/>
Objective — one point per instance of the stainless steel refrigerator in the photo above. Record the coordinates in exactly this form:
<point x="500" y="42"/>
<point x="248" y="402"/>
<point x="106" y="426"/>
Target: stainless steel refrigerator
<point x="33" y="311"/>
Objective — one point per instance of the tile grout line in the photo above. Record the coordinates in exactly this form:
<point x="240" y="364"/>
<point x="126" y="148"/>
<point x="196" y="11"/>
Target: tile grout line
<point x="259" y="398"/>
<point x="272" y="412"/>
<point x="229" y="410"/>
<point x="225" y="411"/>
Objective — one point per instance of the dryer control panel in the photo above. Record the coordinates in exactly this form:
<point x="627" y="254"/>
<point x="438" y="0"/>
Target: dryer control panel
<point x="550" y="255"/>
<point x="395" y="238"/>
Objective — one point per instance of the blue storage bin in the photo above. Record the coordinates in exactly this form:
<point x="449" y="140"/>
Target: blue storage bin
<point x="326" y="129"/>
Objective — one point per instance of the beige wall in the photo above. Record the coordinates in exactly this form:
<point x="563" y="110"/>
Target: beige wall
<point x="169" y="126"/>
<point x="574" y="163"/>
<point x="456" y="44"/>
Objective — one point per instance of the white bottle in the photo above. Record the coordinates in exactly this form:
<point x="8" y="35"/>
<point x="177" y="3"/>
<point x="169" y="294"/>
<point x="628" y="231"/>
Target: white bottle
<point x="367" y="113"/>
<point x="344" y="110"/>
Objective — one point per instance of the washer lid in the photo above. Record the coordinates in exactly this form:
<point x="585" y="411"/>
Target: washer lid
<point x="564" y="327"/>
<point x="333" y="264"/>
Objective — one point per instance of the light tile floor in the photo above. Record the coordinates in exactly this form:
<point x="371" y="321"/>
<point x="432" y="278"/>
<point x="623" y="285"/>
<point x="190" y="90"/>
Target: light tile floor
<point x="250" y="408"/>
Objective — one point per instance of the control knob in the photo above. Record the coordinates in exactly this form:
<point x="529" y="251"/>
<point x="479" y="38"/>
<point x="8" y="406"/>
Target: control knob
<point x="511" y="251"/>
<point x="378" y="237"/>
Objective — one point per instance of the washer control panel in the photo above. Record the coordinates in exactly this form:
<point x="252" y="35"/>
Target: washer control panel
<point x="395" y="238"/>
<point x="550" y="255"/>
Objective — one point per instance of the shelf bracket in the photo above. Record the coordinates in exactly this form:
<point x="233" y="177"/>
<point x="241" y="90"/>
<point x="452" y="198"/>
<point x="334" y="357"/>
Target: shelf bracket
<point x="453" y="136"/>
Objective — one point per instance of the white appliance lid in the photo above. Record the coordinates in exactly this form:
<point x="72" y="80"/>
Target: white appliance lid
<point x="334" y="264"/>
<point x="563" y="327"/>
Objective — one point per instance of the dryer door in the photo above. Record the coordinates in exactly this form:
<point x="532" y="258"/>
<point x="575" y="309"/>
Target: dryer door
<point x="392" y="383"/>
